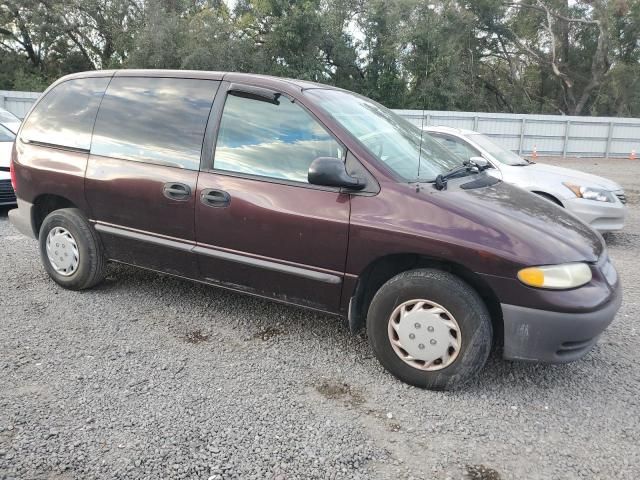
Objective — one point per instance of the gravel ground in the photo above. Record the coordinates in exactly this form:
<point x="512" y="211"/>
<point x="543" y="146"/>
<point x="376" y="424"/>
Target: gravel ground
<point x="149" y="376"/>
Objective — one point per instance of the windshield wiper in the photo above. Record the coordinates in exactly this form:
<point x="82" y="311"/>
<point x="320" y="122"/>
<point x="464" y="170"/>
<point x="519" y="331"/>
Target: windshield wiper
<point x="467" y="167"/>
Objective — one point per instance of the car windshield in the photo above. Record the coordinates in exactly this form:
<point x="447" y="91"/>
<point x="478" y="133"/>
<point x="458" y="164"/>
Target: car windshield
<point x="496" y="151"/>
<point x="410" y="153"/>
<point x="6" y="135"/>
<point x="7" y="116"/>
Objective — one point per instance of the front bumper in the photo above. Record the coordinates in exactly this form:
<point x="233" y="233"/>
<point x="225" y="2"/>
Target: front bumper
<point x="554" y="337"/>
<point x="601" y="216"/>
<point x="22" y="219"/>
<point x="7" y="195"/>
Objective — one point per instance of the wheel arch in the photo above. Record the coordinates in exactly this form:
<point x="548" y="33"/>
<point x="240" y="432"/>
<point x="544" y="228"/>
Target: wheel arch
<point x="43" y="205"/>
<point x="382" y="269"/>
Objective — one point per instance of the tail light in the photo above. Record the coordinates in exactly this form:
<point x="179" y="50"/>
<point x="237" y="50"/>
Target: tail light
<point x="12" y="170"/>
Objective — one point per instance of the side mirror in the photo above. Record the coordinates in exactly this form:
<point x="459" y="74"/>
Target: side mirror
<point x="480" y="163"/>
<point x="332" y="172"/>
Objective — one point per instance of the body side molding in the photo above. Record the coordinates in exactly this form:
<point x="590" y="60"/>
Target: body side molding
<point x="186" y="245"/>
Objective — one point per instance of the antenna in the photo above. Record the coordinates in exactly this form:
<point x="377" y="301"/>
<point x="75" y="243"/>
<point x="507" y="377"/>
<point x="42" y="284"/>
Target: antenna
<point x="431" y="8"/>
<point x="421" y="134"/>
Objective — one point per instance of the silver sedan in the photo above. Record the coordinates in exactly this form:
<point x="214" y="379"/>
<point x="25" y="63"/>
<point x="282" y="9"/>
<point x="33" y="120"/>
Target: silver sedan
<point x="596" y="200"/>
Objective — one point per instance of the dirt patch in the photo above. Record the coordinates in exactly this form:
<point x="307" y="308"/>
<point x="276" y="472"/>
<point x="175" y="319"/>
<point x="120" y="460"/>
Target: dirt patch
<point x="482" y="472"/>
<point x="393" y="427"/>
<point x="340" y="391"/>
<point x="268" y="333"/>
<point x="195" y="337"/>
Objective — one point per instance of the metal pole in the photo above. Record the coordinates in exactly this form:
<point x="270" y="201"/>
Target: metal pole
<point x="609" y="137"/>
<point x="475" y="123"/>
<point x="567" y="127"/>
<point x="522" y="128"/>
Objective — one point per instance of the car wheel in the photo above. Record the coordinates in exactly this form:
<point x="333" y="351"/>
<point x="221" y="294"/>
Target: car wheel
<point x="71" y="250"/>
<point x="430" y="329"/>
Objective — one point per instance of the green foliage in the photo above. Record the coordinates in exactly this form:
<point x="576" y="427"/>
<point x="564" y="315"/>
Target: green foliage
<point x="16" y="74"/>
<point x="530" y="56"/>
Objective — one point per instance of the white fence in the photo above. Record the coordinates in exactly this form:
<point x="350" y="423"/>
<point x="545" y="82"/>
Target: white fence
<point x="552" y="135"/>
<point x="17" y="103"/>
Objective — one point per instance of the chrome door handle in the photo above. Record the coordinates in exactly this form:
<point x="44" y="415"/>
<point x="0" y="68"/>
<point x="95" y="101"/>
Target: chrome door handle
<point x="176" y="191"/>
<point x="215" y="198"/>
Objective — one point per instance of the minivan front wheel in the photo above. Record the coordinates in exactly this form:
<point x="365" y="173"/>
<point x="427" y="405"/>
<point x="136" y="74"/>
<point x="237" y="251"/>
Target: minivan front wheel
<point x="71" y="250"/>
<point x="429" y="328"/>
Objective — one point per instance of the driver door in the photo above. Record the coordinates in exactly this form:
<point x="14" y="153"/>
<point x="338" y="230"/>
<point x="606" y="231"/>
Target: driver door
<point x="260" y="226"/>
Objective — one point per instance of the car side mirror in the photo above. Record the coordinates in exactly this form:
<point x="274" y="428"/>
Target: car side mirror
<point x="480" y="163"/>
<point x="332" y="172"/>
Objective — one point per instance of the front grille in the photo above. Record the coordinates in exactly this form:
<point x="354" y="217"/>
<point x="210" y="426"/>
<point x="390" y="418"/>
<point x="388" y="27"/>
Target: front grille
<point x="7" y="195"/>
<point x="622" y="197"/>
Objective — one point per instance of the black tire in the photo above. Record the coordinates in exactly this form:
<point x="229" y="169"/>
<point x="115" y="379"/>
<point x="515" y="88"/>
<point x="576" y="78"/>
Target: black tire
<point x="456" y="296"/>
<point x="91" y="266"/>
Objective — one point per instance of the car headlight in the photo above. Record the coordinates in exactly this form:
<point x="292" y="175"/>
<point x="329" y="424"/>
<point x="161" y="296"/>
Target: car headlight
<point x="557" y="277"/>
<point x="591" y="193"/>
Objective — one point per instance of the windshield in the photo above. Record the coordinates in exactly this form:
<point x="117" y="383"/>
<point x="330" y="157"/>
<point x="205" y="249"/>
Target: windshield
<point x="7" y="116"/>
<point x="496" y="151"/>
<point x="6" y="135"/>
<point x="390" y="138"/>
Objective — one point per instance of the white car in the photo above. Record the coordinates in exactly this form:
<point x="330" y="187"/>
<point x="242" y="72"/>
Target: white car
<point x="9" y="120"/>
<point x="8" y="126"/>
<point x="596" y="200"/>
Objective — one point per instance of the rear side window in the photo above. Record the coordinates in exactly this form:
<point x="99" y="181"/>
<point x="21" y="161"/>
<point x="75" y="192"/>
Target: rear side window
<point x="154" y="120"/>
<point x="276" y="140"/>
<point x="65" y="116"/>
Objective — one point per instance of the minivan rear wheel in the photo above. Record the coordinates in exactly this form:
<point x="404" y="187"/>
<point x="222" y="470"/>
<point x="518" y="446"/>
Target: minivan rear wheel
<point x="71" y="250"/>
<point x="430" y="329"/>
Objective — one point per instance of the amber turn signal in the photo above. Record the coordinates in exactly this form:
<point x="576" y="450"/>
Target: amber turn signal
<point x="533" y="276"/>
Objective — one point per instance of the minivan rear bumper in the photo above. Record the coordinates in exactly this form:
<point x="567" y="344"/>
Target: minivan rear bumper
<point x="22" y="219"/>
<point x="554" y="337"/>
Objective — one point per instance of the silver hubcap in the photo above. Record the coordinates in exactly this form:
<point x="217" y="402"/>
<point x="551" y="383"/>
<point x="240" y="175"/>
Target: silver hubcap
<point x="62" y="251"/>
<point x="424" y="335"/>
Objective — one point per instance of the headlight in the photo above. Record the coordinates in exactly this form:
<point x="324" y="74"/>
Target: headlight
<point x="557" y="277"/>
<point x="591" y="193"/>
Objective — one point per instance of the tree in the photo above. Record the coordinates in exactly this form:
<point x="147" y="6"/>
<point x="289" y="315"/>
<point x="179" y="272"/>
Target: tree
<point x="544" y="56"/>
<point x="102" y="31"/>
<point x="570" y="44"/>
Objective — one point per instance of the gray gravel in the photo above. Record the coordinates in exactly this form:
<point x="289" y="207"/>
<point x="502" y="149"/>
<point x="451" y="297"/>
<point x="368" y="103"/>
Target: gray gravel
<point x="148" y="376"/>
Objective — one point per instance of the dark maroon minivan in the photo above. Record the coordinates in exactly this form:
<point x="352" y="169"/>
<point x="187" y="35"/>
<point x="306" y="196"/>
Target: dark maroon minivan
<point x="310" y="195"/>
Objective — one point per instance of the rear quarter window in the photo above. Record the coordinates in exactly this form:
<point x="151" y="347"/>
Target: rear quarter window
<point x="66" y="114"/>
<point x="154" y="120"/>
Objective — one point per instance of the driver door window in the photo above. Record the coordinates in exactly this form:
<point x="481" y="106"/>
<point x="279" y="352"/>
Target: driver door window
<point x="276" y="139"/>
